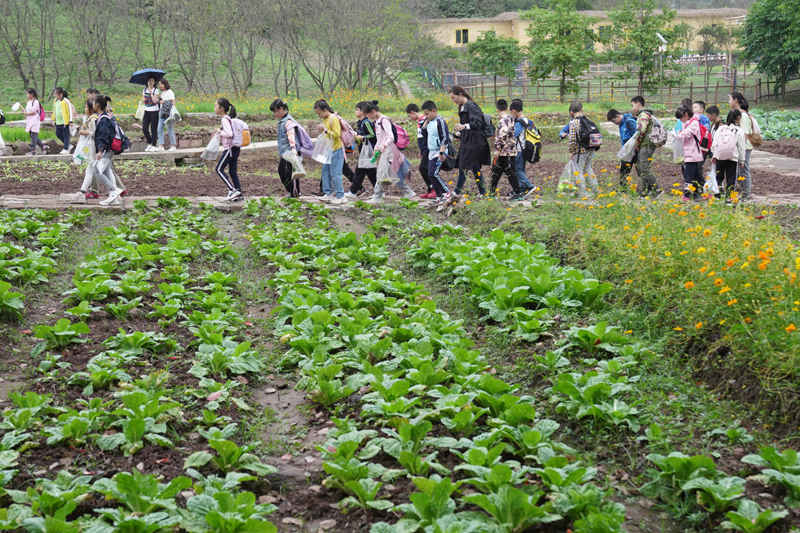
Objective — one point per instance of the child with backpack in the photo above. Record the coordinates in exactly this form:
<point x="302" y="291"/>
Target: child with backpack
<point x="230" y="154"/>
<point x="34" y="115"/>
<point x="386" y="143"/>
<point x="331" y="172"/>
<point x="520" y="125"/>
<point x="505" y="146"/>
<point x="437" y="149"/>
<point x="646" y="126"/>
<point x="690" y="136"/>
<point x="88" y="130"/>
<point x="107" y="136"/>
<point x="288" y="140"/>
<point x="419" y="119"/>
<point x="582" y="148"/>
<point x="728" y="152"/>
<point x="365" y="134"/>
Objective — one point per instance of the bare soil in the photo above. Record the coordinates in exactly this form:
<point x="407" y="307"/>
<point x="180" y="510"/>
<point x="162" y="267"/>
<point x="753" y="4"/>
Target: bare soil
<point x="787" y="147"/>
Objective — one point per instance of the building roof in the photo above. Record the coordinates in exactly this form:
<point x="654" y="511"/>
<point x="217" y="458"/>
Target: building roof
<point x="511" y="16"/>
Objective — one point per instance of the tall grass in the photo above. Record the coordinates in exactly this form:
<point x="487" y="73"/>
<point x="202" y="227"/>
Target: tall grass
<point x="12" y="134"/>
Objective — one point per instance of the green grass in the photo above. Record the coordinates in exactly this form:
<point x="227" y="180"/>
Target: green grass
<point x="13" y="134"/>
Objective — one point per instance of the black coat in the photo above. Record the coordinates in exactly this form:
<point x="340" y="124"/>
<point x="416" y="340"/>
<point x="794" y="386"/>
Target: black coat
<point x="474" y="150"/>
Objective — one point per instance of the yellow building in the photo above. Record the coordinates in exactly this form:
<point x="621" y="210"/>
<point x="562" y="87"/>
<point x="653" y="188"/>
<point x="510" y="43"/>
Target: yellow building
<point x="460" y="32"/>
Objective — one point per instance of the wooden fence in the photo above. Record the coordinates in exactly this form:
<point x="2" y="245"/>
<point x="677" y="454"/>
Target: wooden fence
<point x="611" y="90"/>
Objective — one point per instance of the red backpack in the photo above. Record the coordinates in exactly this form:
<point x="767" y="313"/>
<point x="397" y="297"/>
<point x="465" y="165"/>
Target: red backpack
<point x="705" y="137"/>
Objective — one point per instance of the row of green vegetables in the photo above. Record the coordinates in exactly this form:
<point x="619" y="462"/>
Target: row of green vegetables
<point x="31" y="240"/>
<point x="157" y="265"/>
<point x="505" y="276"/>
<point x="432" y="413"/>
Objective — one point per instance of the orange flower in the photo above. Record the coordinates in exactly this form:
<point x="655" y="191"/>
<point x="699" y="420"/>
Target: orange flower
<point x="689" y="284"/>
<point x="698" y="325"/>
<point x="730" y="262"/>
<point x="790" y="328"/>
<point x="731" y="302"/>
<point x="719" y="282"/>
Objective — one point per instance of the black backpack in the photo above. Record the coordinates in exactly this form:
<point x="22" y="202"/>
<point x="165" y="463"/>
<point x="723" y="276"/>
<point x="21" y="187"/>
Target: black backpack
<point x="589" y="135"/>
<point x="488" y="127"/>
<point x="2" y="118"/>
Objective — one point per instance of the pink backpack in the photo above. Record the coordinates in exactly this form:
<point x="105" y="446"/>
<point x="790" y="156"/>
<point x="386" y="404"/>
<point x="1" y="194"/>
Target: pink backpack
<point x="725" y="143"/>
<point x="41" y="110"/>
<point x="401" y="139"/>
<point x="348" y="134"/>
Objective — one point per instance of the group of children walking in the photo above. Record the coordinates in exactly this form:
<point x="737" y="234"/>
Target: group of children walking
<point x="701" y="134"/>
<point x="379" y="144"/>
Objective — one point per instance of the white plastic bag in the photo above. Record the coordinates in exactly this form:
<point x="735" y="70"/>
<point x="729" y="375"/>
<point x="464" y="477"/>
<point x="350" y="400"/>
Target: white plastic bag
<point x="677" y="151"/>
<point x="364" y="157"/>
<point x="2" y="142"/>
<point x="323" y="150"/>
<point x="139" y="115"/>
<point x="628" y="150"/>
<point x="81" y="154"/>
<point x="174" y="116"/>
<point x="386" y="174"/>
<point x="212" y="149"/>
<point x="567" y="176"/>
<point x="298" y="170"/>
<point x="711" y="186"/>
<point x="102" y="164"/>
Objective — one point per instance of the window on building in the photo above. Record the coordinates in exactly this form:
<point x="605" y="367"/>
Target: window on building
<point x="462" y="36"/>
<point x="604" y="31"/>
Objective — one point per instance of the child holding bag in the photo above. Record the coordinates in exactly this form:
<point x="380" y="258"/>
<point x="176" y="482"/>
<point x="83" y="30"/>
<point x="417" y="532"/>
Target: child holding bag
<point x="364" y="169"/>
<point x="230" y="154"/>
<point x="386" y="148"/>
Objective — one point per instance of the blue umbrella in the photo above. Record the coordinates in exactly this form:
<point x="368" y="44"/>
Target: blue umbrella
<point x="140" y="77"/>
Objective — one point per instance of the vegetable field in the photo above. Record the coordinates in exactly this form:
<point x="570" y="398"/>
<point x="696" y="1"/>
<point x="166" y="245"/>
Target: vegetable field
<point x="452" y="376"/>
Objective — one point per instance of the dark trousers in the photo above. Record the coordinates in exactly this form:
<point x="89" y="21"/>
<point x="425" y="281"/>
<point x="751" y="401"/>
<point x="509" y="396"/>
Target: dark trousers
<point x="358" y="179"/>
<point x="727" y="172"/>
<point x="150" y="127"/>
<point x="36" y="141"/>
<point x="62" y="132"/>
<point x="423" y="168"/>
<point x="505" y="164"/>
<point x="230" y="159"/>
<point x="437" y="182"/>
<point x="693" y="175"/>
<point x="625" y="170"/>
<point x="285" y="173"/>
<point x="462" y="180"/>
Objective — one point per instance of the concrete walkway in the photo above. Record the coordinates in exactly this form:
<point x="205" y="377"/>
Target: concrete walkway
<point x="128" y="156"/>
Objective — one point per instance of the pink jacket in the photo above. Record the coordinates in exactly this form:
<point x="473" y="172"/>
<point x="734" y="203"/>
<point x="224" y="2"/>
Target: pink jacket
<point x="226" y="133"/>
<point x="690" y="137"/>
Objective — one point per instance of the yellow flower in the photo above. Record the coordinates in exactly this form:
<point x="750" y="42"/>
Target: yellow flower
<point x="731" y="302"/>
<point x="678" y="329"/>
<point x="468" y="202"/>
<point x="707" y="233"/>
<point x="689" y="284"/>
<point x="719" y="282"/>
<point x="698" y="325"/>
<point x="724" y="289"/>
<point x="628" y="281"/>
<point x="668" y="254"/>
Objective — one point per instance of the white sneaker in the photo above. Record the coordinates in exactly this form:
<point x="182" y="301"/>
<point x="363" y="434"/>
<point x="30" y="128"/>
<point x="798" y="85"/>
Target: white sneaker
<point x="63" y="152"/>
<point x="350" y="196"/>
<point x="159" y="148"/>
<point x="411" y="194"/>
<point x="79" y="197"/>
<point x="149" y="148"/>
<point x="339" y="201"/>
<point x="327" y="198"/>
<point x="113" y="195"/>
<point x="232" y="195"/>
<point x="375" y="201"/>
<point x="172" y="149"/>
<point x="115" y="202"/>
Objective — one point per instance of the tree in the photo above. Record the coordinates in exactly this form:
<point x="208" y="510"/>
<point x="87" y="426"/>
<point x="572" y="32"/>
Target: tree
<point x="498" y="55"/>
<point x="561" y="42"/>
<point x="771" y="38"/>
<point x="713" y="40"/>
<point x="633" y="35"/>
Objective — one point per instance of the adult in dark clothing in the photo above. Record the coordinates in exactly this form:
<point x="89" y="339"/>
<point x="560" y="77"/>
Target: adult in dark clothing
<point x="474" y="150"/>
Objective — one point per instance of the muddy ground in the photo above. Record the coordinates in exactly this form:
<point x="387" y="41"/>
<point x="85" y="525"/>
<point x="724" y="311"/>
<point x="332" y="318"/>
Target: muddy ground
<point x="259" y="177"/>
